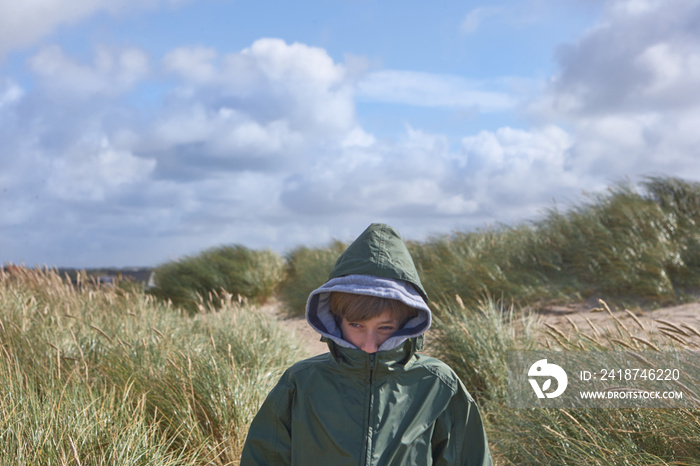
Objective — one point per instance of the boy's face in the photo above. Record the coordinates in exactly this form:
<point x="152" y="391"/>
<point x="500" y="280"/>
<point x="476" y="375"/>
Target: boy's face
<point x="368" y="335"/>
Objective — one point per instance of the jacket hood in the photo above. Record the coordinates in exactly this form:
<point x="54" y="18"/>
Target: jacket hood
<point x="379" y="251"/>
<point x="377" y="264"/>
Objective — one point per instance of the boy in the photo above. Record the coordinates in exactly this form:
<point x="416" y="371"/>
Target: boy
<point x="372" y="400"/>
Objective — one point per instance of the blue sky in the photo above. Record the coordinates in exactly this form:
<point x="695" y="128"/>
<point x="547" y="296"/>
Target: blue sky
<point x="135" y="132"/>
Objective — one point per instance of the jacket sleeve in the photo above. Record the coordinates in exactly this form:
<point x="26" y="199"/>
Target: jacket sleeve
<point x="269" y="436"/>
<point x="459" y="437"/>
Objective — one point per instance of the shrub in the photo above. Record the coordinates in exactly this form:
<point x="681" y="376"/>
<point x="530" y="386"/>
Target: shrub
<point x="196" y="282"/>
<point x="307" y="269"/>
<point x="625" y="246"/>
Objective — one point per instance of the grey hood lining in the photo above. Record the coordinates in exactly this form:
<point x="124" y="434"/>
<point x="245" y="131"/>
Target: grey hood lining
<point x="318" y="313"/>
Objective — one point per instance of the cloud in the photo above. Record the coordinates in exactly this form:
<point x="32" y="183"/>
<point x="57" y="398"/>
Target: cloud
<point x="430" y="90"/>
<point x="642" y="55"/>
<point x="515" y="172"/>
<point x="507" y="175"/>
<point x="214" y="148"/>
<point x="628" y="92"/>
<point x="471" y="23"/>
<point x="271" y="80"/>
<point x="413" y="177"/>
<point x="195" y="142"/>
<point x="112" y="72"/>
<point x="673" y="72"/>
<point x="94" y="170"/>
<point x="269" y="108"/>
<point x="195" y="64"/>
<point x="25" y="23"/>
<point x="10" y="93"/>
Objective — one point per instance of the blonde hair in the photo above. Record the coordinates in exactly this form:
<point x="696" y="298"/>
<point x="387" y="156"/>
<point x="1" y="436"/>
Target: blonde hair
<point x="358" y="308"/>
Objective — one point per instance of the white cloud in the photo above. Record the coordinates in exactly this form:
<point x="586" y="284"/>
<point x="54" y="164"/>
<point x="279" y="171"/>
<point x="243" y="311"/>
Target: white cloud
<point x="271" y="80"/>
<point x="299" y="64"/>
<point x="643" y="55"/>
<point x="203" y="142"/>
<point x="430" y="90"/>
<point x="673" y="70"/>
<point x="497" y="176"/>
<point x="274" y="137"/>
<point x="358" y="137"/>
<point x="195" y="64"/>
<point x="628" y="91"/>
<point x="456" y="205"/>
<point x="634" y="7"/>
<point x="639" y="144"/>
<point x="269" y="130"/>
<point x="511" y="169"/>
<point x="471" y="23"/>
<point x="510" y="148"/>
<point x="24" y="23"/>
<point x="94" y="170"/>
<point x="10" y="93"/>
<point x="416" y="177"/>
<point x="111" y="72"/>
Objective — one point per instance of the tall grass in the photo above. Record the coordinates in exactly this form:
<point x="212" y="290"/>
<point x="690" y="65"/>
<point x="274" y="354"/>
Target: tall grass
<point x="101" y="376"/>
<point x="475" y="342"/>
<point x="194" y="283"/>
<point x="681" y="201"/>
<point x="307" y="269"/>
<point x="634" y="245"/>
<point x="475" y="265"/>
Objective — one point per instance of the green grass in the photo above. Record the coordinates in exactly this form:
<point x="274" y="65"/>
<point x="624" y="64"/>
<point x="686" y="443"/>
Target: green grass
<point x="475" y="343"/>
<point x="631" y="245"/>
<point x="307" y="269"/>
<point x="102" y="376"/>
<point x="194" y="283"/>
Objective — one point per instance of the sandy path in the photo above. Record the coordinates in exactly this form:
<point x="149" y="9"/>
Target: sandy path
<point x="298" y="326"/>
<point x="682" y="321"/>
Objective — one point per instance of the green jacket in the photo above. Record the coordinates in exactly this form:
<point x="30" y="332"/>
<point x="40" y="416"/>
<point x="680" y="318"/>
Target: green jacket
<point x="348" y="407"/>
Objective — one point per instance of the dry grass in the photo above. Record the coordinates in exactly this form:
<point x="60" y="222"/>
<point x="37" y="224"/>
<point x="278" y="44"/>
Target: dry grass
<point x="101" y="376"/>
<point x="475" y="342"/>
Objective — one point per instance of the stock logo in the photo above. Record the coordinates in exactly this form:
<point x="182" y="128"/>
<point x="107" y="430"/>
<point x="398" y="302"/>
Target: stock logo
<point x="551" y="371"/>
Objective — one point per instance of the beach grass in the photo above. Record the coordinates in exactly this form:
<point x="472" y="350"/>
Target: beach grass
<point x="195" y="282"/>
<point x="475" y="343"/>
<point x="95" y="375"/>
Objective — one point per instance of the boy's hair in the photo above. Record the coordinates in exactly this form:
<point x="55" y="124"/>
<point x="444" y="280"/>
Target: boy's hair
<point x="358" y="308"/>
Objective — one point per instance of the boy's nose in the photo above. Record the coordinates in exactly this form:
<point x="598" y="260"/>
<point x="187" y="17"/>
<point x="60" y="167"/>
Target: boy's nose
<point x="370" y="345"/>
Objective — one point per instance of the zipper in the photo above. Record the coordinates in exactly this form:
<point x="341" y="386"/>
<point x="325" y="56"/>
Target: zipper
<point x="370" y="402"/>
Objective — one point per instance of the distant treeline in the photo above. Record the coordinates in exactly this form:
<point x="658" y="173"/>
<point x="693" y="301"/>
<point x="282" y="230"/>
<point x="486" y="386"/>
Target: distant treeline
<point x="131" y="274"/>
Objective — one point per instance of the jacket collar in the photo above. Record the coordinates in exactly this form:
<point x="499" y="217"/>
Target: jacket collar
<point x="356" y="359"/>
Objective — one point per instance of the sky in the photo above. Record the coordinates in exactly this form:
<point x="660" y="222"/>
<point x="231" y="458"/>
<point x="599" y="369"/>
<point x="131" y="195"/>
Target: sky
<point x="136" y="132"/>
